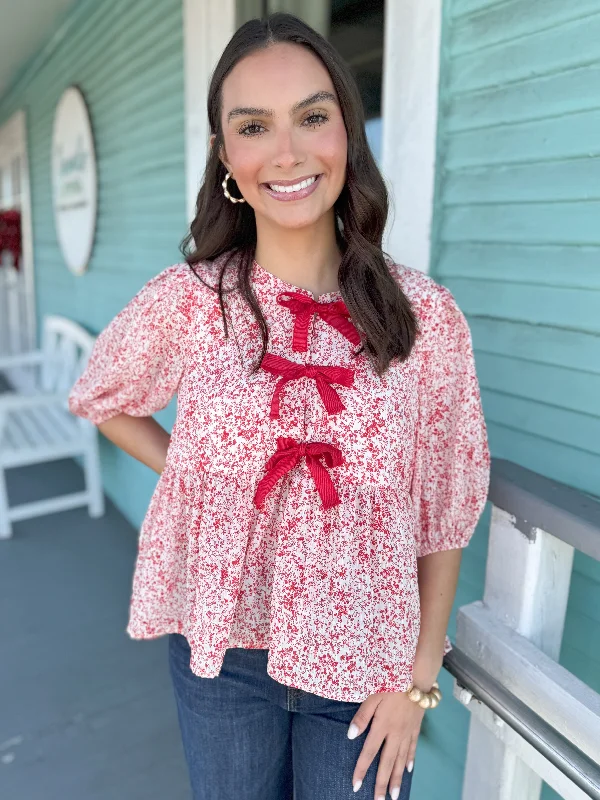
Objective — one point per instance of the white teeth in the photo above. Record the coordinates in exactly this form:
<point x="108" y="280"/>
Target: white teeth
<point x="294" y="188"/>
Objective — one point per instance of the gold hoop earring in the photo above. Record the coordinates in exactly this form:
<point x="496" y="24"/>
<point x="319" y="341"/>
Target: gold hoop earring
<point x="226" y="191"/>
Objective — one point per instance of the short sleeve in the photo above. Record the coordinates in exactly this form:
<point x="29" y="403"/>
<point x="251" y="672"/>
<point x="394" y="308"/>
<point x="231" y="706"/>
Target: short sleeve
<point x="452" y="461"/>
<point x="137" y="360"/>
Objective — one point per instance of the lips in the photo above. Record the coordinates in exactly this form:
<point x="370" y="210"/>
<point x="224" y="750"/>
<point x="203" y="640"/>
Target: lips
<point x="292" y="190"/>
<point x="289" y="186"/>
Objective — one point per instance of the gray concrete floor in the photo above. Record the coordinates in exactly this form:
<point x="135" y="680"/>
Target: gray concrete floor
<point x="85" y="712"/>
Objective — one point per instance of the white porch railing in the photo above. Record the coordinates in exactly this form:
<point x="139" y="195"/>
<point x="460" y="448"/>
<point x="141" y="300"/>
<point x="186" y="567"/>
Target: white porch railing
<point x="539" y="722"/>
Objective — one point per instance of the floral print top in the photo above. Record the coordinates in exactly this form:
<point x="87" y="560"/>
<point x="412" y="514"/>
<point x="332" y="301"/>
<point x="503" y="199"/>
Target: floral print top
<point x="296" y="499"/>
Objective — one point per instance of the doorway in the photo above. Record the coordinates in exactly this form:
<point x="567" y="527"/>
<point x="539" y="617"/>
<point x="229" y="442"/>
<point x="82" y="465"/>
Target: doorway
<point x="17" y="291"/>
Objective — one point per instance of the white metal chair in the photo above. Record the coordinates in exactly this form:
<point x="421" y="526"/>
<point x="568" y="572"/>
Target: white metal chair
<point x="38" y="426"/>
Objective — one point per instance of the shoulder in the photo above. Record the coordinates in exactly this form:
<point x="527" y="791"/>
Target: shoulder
<point x="434" y="305"/>
<point x="425" y="294"/>
<point x="181" y="289"/>
<point x="174" y="282"/>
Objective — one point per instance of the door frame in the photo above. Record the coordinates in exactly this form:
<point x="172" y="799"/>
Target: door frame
<point x="207" y="27"/>
<point x="411" y="76"/>
<point x="13" y="144"/>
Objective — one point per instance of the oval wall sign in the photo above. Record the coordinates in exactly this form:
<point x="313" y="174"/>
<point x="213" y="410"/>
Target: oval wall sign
<point x="74" y="180"/>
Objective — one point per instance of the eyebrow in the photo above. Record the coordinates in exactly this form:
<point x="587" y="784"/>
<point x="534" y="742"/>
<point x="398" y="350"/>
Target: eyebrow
<point x="267" y="112"/>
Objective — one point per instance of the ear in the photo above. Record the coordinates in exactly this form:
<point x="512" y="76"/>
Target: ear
<point x="222" y="154"/>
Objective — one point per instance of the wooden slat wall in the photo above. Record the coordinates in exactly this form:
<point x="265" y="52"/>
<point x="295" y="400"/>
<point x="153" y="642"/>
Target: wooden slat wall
<point x="517" y="240"/>
<point x="127" y="58"/>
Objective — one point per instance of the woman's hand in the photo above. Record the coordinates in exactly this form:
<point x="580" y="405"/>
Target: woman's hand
<point x="396" y="720"/>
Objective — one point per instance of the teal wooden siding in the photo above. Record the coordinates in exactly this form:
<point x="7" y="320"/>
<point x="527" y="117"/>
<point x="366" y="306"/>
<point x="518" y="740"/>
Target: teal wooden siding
<point x="127" y="58"/>
<point x="517" y="240"/>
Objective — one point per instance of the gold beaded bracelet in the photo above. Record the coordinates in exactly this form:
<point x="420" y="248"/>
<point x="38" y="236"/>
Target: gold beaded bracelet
<point x="425" y="699"/>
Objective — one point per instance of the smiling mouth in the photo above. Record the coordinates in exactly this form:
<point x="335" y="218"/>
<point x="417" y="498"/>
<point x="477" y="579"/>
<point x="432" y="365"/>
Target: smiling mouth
<point x="293" y="187"/>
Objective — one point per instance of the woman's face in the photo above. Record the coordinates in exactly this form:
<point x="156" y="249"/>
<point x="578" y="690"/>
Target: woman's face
<point x="282" y="126"/>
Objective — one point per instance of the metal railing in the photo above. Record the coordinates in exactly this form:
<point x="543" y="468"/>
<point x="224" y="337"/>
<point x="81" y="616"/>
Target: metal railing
<point x="505" y="657"/>
<point x="578" y="767"/>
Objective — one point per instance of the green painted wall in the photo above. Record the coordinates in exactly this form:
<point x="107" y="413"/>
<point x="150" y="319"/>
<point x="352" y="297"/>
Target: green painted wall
<point x="127" y="58"/>
<point x="517" y="240"/>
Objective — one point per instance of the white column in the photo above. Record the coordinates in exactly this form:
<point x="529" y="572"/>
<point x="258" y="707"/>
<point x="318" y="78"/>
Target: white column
<point x="410" y="111"/>
<point x="207" y="27"/>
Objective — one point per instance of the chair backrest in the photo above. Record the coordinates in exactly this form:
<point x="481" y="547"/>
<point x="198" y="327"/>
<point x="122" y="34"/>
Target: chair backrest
<point x="66" y="347"/>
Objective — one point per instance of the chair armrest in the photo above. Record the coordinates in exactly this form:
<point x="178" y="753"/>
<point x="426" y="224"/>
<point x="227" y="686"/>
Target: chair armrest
<point x="12" y="401"/>
<point x="22" y="359"/>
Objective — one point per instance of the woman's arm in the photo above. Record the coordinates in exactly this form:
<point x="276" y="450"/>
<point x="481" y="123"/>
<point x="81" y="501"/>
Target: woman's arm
<point x="438" y="578"/>
<point x="141" y="437"/>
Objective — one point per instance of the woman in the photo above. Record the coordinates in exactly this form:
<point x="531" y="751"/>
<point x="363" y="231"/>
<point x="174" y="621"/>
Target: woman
<point x="329" y="459"/>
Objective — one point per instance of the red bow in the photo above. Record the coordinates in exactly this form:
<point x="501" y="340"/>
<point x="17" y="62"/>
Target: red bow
<point x="335" y="314"/>
<point x="288" y="454"/>
<point x="324" y="377"/>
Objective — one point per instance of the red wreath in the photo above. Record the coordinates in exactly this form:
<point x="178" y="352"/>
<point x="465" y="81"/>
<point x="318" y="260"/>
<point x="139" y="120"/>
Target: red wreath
<point x="10" y="234"/>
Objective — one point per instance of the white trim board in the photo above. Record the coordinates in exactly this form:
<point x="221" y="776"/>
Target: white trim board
<point x="207" y="27"/>
<point x="411" y="71"/>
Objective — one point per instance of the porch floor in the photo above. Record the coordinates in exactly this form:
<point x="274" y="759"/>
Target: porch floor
<point x="86" y="713"/>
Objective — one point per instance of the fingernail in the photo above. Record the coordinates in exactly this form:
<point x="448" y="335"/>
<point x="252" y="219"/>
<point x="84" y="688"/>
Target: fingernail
<point x="410" y="766"/>
<point x="353" y="732"/>
<point x="357" y="786"/>
<point x="381" y="797"/>
<point x="395" y="793"/>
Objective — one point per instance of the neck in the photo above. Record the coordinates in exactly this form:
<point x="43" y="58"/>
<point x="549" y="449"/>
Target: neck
<point x="306" y="257"/>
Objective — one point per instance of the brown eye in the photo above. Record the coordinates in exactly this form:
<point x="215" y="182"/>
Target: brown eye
<point x="314" y="119"/>
<point x="253" y="128"/>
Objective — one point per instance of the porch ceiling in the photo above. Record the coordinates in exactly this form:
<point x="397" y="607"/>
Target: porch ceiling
<point x="25" y="26"/>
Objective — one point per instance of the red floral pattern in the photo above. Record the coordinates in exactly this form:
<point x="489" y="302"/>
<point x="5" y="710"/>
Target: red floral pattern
<point x="320" y="564"/>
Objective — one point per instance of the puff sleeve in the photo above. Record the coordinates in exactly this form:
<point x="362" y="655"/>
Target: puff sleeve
<point x="452" y="461"/>
<point x="137" y="360"/>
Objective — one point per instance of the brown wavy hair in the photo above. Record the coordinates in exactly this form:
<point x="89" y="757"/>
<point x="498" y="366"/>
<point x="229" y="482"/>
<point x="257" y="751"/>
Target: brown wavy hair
<point x="376" y="303"/>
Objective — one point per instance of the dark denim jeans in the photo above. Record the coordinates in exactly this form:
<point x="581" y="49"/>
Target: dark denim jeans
<point x="248" y="736"/>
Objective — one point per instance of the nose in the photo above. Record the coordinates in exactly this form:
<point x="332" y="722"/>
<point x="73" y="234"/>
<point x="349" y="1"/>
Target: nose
<point x="288" y="153"/>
